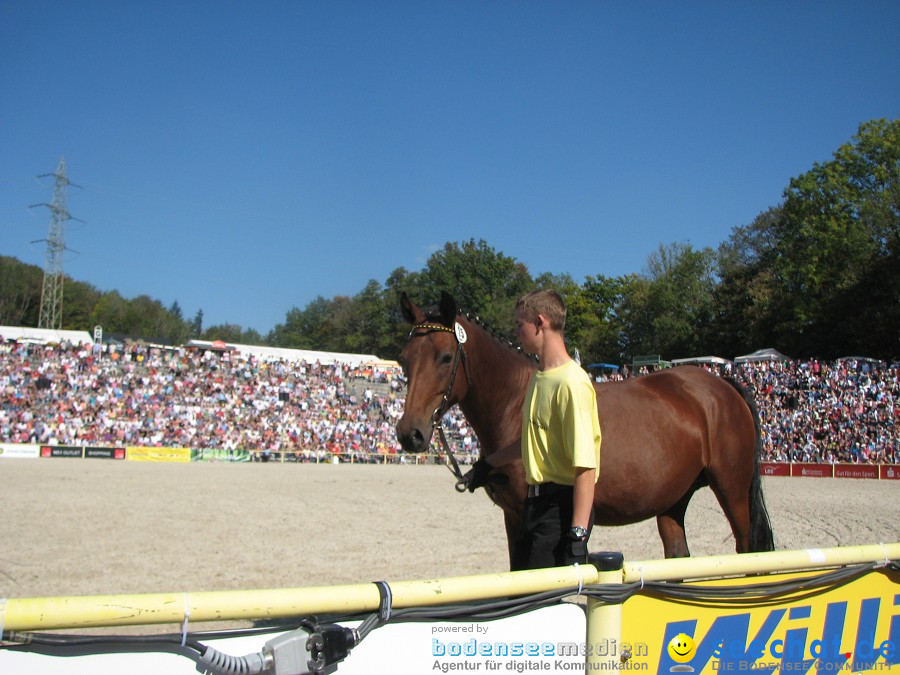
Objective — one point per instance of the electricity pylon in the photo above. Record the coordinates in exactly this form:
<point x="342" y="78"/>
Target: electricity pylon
<point x="52" y="290"/>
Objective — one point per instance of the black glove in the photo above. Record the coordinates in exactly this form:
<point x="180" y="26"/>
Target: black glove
<point x="576" y="549"/>
<point x="477" y="476"/>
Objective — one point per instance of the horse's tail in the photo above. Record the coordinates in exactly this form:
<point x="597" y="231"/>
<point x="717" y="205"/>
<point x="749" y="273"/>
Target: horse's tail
<point x="761" y="538"/>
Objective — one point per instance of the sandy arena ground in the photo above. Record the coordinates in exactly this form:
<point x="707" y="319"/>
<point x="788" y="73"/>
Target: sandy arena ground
<point x="83" y="527"/>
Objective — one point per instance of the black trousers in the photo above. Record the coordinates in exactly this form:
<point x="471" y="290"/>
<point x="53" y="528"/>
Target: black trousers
<point x="543" y="539"/>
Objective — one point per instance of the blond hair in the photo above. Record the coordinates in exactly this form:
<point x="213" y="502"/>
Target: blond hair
<point x="547" y="302"/>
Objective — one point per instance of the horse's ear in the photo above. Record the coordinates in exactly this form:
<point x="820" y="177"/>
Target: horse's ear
<point x="409" y="310"/>
<point x="448" y="309"/>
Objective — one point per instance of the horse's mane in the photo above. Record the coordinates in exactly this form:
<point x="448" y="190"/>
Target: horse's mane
<point x="433" y="314"/>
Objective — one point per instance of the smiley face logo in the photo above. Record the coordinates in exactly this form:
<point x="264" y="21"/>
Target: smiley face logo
<point x="681" y="649"/>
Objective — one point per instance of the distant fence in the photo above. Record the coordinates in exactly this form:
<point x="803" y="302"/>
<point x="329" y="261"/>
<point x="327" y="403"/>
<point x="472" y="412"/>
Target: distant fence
<point x="164" y="454"/>
<point x="184" y="455"/>
<point x="814" y="470"/>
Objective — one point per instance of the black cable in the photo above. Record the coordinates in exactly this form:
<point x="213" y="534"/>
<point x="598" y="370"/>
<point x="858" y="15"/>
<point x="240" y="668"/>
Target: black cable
<point x="753" y="593"/>
<point x="69" y="640"/>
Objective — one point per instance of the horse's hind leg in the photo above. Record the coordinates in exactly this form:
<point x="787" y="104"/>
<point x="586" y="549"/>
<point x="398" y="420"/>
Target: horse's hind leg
<point x="671" y="528"/>
<point x="735" y="503"/>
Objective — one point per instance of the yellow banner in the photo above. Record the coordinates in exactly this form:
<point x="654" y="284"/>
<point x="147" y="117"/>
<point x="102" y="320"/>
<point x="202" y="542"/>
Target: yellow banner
<point x="142" y="454"/>
<point x="851" y="627"/>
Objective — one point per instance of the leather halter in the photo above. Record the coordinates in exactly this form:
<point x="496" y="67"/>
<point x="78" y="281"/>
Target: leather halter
<point x="436" y="417"/>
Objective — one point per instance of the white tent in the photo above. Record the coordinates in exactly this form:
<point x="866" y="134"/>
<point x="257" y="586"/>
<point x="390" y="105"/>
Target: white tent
<point x="717" y="360"/>
<point x="44" y="336"/>
<point x="762" y="355"/>
<point x="281" y="353"/>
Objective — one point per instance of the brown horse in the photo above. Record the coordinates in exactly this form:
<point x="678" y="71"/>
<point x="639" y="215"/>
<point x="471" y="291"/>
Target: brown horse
<point x="665" y="435"/>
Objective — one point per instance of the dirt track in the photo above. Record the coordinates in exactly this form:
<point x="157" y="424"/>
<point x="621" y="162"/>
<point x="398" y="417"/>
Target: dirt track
<point x="78" y="527"/>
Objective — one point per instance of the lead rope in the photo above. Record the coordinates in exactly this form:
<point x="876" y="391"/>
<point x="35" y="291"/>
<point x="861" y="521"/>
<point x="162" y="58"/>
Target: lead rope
<point x="461" y="480"/>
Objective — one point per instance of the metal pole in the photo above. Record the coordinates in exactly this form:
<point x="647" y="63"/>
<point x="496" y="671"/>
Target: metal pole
<point x="705" y="567"/>
<point x="603" y="639"/>
<point x="156" y="608"/>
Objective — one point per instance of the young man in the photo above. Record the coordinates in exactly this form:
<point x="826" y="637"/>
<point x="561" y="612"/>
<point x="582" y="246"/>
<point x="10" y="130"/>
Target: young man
<point x="560" y="441"/>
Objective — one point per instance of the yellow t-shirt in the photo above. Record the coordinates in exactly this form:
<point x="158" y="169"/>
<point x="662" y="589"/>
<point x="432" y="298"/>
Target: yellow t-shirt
<point x="560" y="429"/>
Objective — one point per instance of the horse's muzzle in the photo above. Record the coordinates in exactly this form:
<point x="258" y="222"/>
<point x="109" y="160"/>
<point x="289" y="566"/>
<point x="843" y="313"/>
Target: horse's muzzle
<point x="412" y="438"/>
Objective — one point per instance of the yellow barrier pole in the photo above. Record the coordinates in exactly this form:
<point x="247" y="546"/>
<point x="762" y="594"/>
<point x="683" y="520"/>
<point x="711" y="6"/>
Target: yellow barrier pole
<point x="156" y="608"/>
<point x="757" y="563"/>
<point x="604" y="622"/>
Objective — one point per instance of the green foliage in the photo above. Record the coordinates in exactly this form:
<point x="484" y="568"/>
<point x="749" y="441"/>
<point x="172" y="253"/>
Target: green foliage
<point x="669" y="309"/>
<point x="603" y="297"/>
<point x="819" y="274"/>
<point x="484" y="282"/>
<point x="85" y="307"/>
<point x="195" y="329"/>
<point x="230" y="332"/>
<point x="20" y="293"/>
<point x="309" y="328"/>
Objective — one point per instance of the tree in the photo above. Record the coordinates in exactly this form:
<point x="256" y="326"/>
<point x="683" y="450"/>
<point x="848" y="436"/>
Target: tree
<point x="226" y="332"/>
<point x="111" y="312"/>
<point x="78" y="305"/>
<point x="196" y="328"/>
<point x="667" y="310"/>
<point x="372" y="331"/>
<point x="604" y="342"/>
<point x="179" y="330"/>
<point x="635" y="312"/>
<point x="829" y="252"/>
<point x="746" y="299"/>
<point x="396" y="330"/>
<point x="484" y="282"/>
<point x="20" y="292"/>
<point x="839" y="242"/>
<point x="309" y="328"/>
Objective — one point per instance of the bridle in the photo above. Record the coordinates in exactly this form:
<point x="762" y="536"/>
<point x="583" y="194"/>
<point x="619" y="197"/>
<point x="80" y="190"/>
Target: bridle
<point x="437" y="416"/>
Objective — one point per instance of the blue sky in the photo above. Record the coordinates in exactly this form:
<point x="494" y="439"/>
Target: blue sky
<point x="244" y="158"/>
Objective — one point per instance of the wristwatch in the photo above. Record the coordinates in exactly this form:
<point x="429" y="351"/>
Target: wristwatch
<point x="578" y="533"/>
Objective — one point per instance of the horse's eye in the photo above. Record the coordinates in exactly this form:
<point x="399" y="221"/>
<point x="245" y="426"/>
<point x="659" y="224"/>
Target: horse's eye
<point x="446" y="358"/>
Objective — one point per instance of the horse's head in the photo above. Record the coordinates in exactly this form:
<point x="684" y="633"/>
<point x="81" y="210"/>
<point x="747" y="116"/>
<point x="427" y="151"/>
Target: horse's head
<point x="433" y="362"/>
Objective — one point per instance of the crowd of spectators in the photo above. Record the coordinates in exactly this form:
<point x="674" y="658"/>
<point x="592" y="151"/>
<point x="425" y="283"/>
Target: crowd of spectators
<point x="833" y="412"/>
<point x="843" y="411"/>
<point x="147" y="396"/>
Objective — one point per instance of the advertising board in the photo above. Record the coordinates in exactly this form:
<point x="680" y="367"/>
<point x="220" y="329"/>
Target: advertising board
<point x="774" y="469"/>
<point x="853" y="627"/>
<point x="812" y="470"/>
<point x="146" y="454"/>
<point x="104" y="453"/>
<point x="13" y="451"/>
<point x="856" y="471"/>
<point x="61" y="451"/>
<point x="219" y="455"/>
<point x="889" y="472"/>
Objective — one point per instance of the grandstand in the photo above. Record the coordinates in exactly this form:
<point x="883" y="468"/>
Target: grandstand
<point x="57" y="388"/>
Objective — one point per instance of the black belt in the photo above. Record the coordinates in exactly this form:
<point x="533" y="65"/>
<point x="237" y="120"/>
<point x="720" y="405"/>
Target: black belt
<point x="547" y="489"/>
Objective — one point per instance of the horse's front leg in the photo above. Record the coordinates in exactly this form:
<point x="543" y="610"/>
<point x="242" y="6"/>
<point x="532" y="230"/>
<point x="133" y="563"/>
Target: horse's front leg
<point x="508" y="491"/>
